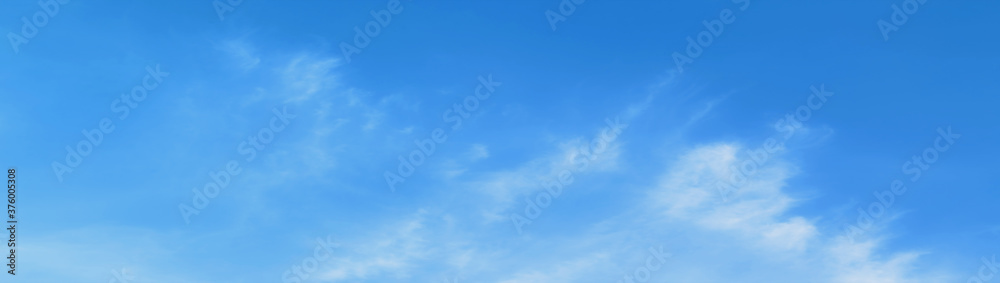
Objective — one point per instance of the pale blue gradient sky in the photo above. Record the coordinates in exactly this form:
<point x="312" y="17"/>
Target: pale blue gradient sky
<point x="323" y="174"/>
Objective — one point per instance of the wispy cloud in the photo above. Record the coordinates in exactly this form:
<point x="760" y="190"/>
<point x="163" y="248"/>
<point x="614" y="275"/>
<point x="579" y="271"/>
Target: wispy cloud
<point x="759" y="217"/>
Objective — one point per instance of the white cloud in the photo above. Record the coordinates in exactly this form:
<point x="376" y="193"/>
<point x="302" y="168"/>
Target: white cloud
<point x="399" y="251"/>
<point x="304" y="76"/>
<point x="505" y="187"/>
<point x="751" y="238"/>
<point x="758" y="218"/>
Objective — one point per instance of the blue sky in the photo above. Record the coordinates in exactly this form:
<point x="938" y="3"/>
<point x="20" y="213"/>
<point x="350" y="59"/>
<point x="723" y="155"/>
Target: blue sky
<point x="596" y="142"/>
